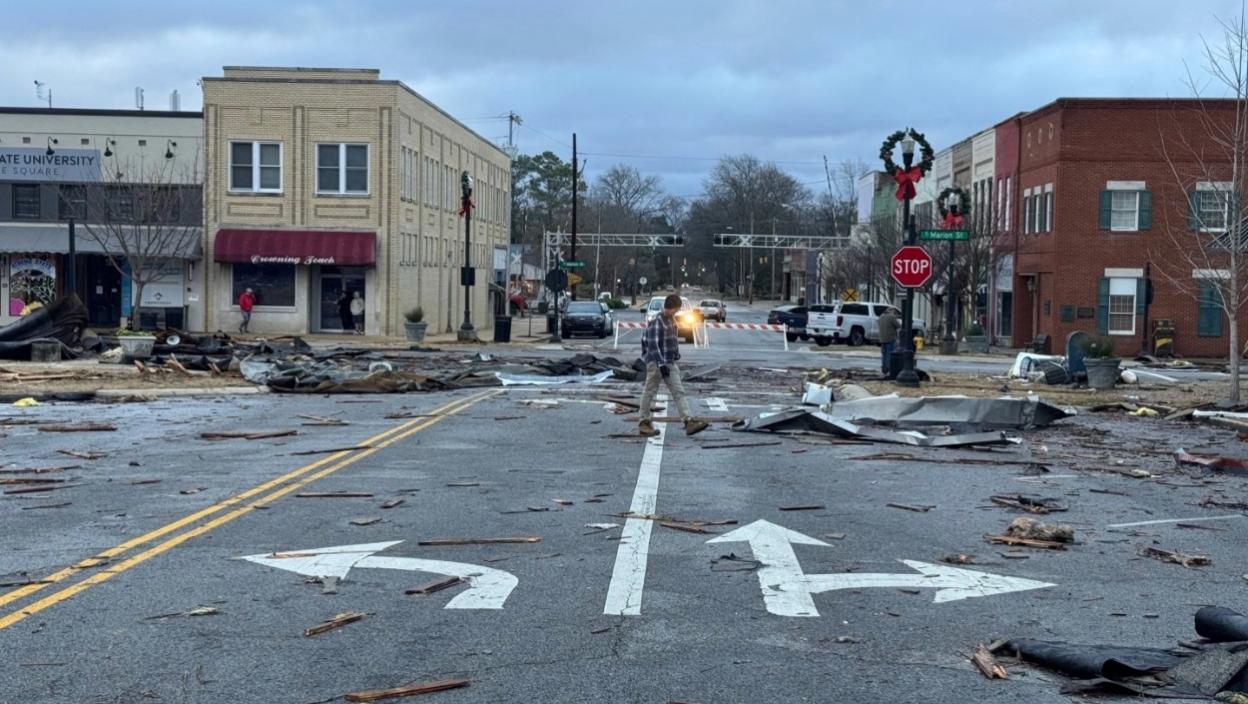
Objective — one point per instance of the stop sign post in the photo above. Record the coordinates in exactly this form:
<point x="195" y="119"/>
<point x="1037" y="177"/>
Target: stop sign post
<point x="911" y="266"/>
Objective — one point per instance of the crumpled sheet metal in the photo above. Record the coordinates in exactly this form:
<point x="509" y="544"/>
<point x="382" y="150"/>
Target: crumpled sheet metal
<point x="1027" y="362"/>
<point x="63" y="320"/>
<point x="536" y="380"/>
<point x="1088" y="661"/>
<point x="799" y="419"/>
<point x="1001" y="413"/>
<point x="328" y="378"/>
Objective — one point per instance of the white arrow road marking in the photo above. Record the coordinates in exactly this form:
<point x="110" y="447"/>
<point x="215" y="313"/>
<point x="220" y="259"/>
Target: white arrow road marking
<point x="718" y="405"/>
<point x="628" y="579"/>
<point x="787" y="591"/>
<point x="488" y="587"/>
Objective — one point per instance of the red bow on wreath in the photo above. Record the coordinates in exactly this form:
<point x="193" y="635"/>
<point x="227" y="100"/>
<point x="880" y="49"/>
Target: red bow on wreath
<point x="952" y="222"/>
<point x="906" y="178"/>
<point x="464" y="209"/>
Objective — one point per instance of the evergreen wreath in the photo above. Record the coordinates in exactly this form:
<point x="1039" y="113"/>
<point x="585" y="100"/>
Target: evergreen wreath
<point x="926" y="155"/>
<point x="964" y="209"/>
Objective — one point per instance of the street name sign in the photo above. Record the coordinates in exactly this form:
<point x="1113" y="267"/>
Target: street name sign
<point x="945" y="235"/>
<point x="572" y="264"/>
<point x="911" y="266"/>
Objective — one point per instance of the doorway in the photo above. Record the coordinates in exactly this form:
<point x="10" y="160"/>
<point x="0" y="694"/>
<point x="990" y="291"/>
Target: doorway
<point x="333" y="282"/>
<point x="103" y="288"/>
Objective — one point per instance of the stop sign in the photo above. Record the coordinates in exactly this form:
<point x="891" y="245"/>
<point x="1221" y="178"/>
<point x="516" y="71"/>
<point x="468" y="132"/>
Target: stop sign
<point x="911" y="266"/>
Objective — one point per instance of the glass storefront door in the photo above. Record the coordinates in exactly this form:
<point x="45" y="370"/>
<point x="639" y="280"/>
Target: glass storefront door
<point x="333" y="283"/>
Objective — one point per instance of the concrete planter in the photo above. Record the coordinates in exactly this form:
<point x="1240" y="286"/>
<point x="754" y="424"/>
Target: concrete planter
<point x="1102" y="372"/>
<point x="415" y="331"/>
<point x="977" y="344"/>
<point x="136" y="346"/>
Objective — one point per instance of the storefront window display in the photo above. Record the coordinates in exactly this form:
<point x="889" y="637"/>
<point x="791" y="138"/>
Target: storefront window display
<point x="31" y="280"/>
<point x="272" y="284"/>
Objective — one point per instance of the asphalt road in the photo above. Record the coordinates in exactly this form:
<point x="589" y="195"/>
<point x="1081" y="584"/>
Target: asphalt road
<point x="133" y="541"/>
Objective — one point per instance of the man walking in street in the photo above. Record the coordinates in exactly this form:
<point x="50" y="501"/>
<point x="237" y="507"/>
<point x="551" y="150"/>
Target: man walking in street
<point x="660" y="350"/>
<point x="246" y="302"/>
<point x="889" y="327"/>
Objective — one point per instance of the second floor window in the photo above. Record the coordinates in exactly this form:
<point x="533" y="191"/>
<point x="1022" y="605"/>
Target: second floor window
<point x="1126" y="211"/>
<point x="73" y="202"/>
<point x="342" y="168"/>
<point x="26" y="205"/>
<point x="256" y="167"/>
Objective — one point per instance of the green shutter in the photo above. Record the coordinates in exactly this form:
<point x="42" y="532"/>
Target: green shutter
<point x="1141" y="295"/>
<point x="1146" y="210"/>
<point x="1107" y="208"/>
<point x="1193" y="211"/>
<point x="1208" y="311"/>
<point x="1102" y="306"/>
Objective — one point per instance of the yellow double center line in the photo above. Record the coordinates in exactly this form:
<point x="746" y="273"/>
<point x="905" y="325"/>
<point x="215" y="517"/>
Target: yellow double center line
<point x="281" y="486"/>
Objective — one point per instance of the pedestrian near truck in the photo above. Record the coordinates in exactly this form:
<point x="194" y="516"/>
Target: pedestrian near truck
<point x="889" y="327"/>
<point x="660" y="350"/>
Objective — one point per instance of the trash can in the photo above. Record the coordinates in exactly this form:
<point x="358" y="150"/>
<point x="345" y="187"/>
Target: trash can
<point x="1163" y="338"/>
<point x="552" y="319"/>
<point x="502" y="328"/>
<point x="542" y="307"/>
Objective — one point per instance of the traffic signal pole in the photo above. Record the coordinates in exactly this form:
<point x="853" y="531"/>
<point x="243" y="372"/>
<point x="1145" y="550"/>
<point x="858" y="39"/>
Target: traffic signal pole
<point x="575" y="198"/>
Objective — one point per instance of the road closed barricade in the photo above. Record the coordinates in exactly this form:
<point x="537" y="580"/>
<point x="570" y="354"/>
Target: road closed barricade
<point x="699" y="333"/>
<point x="755" y="327"/>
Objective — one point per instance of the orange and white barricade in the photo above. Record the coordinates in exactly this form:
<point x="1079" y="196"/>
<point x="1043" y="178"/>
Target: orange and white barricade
<point x="699" y="333"/>
<point x="756" y="327"/>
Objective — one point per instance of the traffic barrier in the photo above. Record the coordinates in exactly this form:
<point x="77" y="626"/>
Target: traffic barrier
<point x="757" y="327"/>
<point x="699" y="333"/>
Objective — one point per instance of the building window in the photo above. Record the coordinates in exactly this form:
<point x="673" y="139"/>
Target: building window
<point x="120" y="204"/>
<point x="1122" y="306"/>
<point x="1125" y="211"/>
<point x="272" y="284"/>
<point x="1048" y="208"/>
<point x="342" y="168"/>
<point x="256" y="167"/>
<point x="26" y="205"/>
<point x="1211" y="210"/>
<point x="73" y="202"/>
<point x="1209" y="311"/>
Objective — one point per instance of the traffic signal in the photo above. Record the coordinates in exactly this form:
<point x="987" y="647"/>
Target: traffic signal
<point x="672" y="240"/>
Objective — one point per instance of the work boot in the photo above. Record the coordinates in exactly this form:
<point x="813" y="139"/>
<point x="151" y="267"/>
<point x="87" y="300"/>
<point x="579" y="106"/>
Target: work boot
<point x="647" y="429"/>
<point x="693" y="427"/>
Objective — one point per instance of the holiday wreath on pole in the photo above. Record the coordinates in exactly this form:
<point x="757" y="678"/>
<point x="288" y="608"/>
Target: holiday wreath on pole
<point x="906" y="178"/>
<point x="950" y="220"/>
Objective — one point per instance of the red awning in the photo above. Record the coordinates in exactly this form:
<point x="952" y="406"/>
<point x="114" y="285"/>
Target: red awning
<point x="296" y="247"/>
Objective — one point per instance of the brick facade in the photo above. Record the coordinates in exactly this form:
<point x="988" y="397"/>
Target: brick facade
<point x="1085" y="147"/>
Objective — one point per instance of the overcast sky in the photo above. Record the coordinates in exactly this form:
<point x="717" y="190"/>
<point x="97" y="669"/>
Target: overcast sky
<point x="665" y="85"/>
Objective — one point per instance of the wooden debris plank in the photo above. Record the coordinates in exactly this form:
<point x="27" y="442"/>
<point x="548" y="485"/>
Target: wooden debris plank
<point x="393" y="502"/>
<point x="332" y="450"/>
<point x="480" y="541"/>
<point x="84" y="454"/>
<point x="908" y="507"/>
<point x="32" y="508"/>
<point x="30" y="480"/>
<point x="803" y="507"/>
<point x="37" y="489"/>
<point x="987" y="664"/>
<point x="79" y="428"/>
<point x="334" y="495"/>
<point x="436" y="585"/>
<point x="374" y="695"/>
<point x="247" y="434"/>
<point x="1177" y="558"/>
<point x="686" y="527"/>
<point x="38" y="470"/>
<point x="336" y="622"/>
<point x="1026" y="542"/>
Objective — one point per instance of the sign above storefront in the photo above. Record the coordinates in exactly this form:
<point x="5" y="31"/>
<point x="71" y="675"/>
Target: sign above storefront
<point x="297" y="247"/>
<point x="36" y="164"/>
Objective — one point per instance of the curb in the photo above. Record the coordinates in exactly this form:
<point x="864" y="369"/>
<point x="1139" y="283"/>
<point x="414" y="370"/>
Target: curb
<point x="175" y="392"/>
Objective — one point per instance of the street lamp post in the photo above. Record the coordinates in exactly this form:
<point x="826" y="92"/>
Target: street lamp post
<point x="949" y="343"/>
<point x="903" y="355"/>
<point x="466" y="331"/>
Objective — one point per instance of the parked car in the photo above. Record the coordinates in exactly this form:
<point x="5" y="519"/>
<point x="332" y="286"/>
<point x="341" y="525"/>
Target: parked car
<point x="712" y="309"/>
<point x="585" y="318"/>
<point x="853" y="323"/>
<point x="687" y="318"/>
<point x="792" y="316"/>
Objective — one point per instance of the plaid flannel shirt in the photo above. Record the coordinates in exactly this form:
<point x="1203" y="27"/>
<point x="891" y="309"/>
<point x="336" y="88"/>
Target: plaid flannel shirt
<point x="660" y="343"/>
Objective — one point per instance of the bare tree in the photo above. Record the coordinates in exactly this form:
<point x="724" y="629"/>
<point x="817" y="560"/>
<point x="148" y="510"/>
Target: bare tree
<point x="1210" y="168"/>
<point x="142" y="216"/>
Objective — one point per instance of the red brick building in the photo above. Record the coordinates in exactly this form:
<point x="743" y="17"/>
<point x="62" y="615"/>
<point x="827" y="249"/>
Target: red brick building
<point x="1106" y="189"/>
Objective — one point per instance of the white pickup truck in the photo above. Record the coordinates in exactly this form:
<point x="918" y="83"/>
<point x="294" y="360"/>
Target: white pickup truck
<point x="855" y="323"/>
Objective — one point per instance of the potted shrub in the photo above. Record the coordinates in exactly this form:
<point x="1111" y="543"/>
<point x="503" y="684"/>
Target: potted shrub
<point x="1101" y="363"/>
<point x="976" y="340"/>
<point x="135" y="344"/>
<point x="415" y="324"/>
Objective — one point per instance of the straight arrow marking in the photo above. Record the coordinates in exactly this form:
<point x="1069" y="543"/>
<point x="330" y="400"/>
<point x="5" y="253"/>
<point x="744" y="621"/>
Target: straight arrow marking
<point x="628" y="578"/>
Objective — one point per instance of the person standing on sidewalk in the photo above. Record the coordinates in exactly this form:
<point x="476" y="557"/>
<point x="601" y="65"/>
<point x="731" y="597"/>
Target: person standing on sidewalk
<point x="357" y="312"/>
<point x="344" y="312"/>
<point x="246" y="302"/>
<point x="660" y="350"/>
<point x="889" y="327"/>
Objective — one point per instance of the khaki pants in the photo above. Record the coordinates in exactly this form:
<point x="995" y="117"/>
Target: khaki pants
<point x="674" y="386"/>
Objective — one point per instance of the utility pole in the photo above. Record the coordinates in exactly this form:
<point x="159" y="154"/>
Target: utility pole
<point x="751" y="281"/>
<point x="512" y="120"/>
<point x="575" y="197"/>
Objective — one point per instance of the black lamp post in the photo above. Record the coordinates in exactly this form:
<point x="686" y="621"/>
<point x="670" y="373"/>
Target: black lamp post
<point x="466" y="331"/>
<point x="903" y="354"/>
<point x="949" y="343"/>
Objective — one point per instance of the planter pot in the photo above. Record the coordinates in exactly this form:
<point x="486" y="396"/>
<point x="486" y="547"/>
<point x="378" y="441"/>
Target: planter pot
<point x="977" y="344"/>
<point x="415" y="331"/>
<point x="136" y="346"/>
<point x="1102" y="373"/>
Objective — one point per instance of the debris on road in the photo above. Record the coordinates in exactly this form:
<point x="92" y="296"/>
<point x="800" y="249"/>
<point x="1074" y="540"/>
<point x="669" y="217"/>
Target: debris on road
<point x="331" y="450"/>
<point x="84" y="454"/>
<point x="38" y="489"/>
<point x="801" y="420"/>
<point x="337" y="621"/>
<point x="392" y="503"/>
<point x="434" y="586"/>
<point x="374" y="695"/>
<point x="334" y="495"/>
<point x="246" y="434"/>
<point x="1039" y="506"/>
<point x="1236" y="465"/>
<point x="365" y="520"/>
<point x="60" y="322"/>
<point x="442" y="542"/>
<point x="600" y="527"/>
<point x="1177" y="558"/>
<point x="987" y="664"/>
<point x="803" y="507"/>
<point x="1031" y="529"/>
<point x="908" y="507"/>
<point x="534" y="380"/>
<point x="77" y="428"/>
<point x="38" y="470"/>
<point x="960" y="558"/>
<point x="734" y="563"/>
<point x="686" y="527"/>
<point x="197" y="611"/>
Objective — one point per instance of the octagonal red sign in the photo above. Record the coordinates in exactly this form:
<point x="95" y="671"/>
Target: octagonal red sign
<point x="911" y="266"/>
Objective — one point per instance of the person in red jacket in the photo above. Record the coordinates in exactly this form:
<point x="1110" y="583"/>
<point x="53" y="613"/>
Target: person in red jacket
<point x="246" y="302"/>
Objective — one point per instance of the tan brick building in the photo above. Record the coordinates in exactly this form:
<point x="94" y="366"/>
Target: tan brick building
<point x="321" y="182"/>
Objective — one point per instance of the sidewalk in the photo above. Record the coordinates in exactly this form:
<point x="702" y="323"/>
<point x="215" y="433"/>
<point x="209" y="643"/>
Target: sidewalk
<point x="524" y="331"/>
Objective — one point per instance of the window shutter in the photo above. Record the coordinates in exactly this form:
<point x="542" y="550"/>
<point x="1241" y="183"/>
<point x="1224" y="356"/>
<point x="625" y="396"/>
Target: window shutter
<point x="1102" y="305"/>
<point x="1107" y="208"/>
<point x="1193" y="211"/>
<point x="1141" y="295"/>
<point x="1208" y="312"/>
<point x="1146" y="210"/>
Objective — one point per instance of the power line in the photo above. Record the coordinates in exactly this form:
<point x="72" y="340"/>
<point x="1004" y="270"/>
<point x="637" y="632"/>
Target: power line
<point x="688" y="158"/>
<point x="556" y="141"/>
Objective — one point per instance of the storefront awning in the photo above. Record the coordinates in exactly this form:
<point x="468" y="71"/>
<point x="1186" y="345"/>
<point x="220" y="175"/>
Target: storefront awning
<point x="54" y="239"/>
<point x="323" y="247"/>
